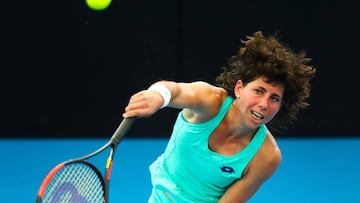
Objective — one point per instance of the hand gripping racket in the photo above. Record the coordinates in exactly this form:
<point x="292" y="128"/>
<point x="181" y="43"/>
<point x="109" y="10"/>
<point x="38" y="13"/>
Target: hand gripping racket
<point x="78" y="180"/>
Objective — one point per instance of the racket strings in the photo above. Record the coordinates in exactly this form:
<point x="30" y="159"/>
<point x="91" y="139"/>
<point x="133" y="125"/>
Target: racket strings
<point x="75" y="183"/>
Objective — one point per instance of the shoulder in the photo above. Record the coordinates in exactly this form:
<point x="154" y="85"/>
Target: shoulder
<point x="207" y="100"/>
<point x="208" y="93"/>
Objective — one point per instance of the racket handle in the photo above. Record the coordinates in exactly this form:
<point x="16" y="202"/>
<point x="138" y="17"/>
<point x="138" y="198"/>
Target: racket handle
<point x="121" y="130"/>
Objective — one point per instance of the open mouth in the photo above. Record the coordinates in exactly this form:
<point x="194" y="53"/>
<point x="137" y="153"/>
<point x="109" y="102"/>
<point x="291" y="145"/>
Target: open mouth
<point x="257" y="115"/>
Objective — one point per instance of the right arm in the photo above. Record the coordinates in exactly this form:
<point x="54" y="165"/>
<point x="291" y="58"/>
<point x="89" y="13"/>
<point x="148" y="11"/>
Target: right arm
<point x="199" y="100"/>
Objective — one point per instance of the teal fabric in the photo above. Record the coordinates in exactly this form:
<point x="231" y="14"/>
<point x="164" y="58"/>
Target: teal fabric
<point x="188" y="171"/>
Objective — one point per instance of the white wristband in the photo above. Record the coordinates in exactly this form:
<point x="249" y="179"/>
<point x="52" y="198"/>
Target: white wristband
<point x="164" y="92"/>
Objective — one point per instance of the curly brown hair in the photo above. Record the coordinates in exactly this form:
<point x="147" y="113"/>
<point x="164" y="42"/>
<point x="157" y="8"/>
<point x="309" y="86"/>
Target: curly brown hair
<point x="268" y="57"/>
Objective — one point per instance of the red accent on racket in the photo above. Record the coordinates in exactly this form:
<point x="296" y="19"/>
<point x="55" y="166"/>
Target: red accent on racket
<point x="79" y="181"/>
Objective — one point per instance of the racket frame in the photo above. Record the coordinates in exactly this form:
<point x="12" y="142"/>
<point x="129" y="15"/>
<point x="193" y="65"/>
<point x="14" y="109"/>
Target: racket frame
<point x="105" y="178"/>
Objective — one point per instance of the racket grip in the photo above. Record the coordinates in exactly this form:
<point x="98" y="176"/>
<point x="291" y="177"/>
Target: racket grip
<point x="121" y="130"/>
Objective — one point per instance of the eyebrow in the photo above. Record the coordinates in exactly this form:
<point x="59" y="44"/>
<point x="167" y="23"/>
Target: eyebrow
<point x="265" y="90"/>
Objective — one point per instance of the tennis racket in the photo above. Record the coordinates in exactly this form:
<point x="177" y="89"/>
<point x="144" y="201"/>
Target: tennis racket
<point x="78" y="180"/>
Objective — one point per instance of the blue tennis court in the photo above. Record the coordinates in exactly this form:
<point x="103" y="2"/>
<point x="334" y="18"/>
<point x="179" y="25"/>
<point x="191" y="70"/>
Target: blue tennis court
<point x="312" y="170"/>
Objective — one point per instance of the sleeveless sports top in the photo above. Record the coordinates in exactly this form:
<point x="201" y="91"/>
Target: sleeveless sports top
<point x="188" y="171"/>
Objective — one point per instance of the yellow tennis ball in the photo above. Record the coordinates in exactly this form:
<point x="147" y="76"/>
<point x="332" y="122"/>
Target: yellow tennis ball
<point x="98" y="4"/>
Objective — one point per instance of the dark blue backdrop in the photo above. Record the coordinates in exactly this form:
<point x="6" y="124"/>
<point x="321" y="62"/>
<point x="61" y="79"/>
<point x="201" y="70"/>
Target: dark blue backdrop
<point x="68" y="71"/>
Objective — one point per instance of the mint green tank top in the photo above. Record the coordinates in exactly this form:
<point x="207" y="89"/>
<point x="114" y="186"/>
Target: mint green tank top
<point x="188" y="171"/>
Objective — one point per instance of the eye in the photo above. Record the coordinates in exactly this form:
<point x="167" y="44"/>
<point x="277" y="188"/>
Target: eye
<point x="275" y="99"/>
<point x="259" y="91"/>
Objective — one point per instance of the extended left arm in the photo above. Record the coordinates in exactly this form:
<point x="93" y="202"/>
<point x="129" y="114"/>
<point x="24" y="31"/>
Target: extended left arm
<point x="243" y="189"/>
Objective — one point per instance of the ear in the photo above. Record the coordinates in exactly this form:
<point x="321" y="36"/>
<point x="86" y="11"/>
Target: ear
<point x="237" y="88"/>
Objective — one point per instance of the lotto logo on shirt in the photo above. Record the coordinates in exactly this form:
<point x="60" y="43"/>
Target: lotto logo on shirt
<point x="227" y="169"/>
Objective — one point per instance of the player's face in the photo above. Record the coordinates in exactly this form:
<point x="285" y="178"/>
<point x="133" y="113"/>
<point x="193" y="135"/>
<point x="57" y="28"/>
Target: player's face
<point x="258" y="101"/>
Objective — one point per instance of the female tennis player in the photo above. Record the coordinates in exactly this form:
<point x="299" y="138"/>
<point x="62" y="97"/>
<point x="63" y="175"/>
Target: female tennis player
<point x="222" y="148"/>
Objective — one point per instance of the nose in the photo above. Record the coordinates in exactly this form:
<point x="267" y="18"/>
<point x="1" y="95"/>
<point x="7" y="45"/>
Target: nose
<point x="263" y="103"/>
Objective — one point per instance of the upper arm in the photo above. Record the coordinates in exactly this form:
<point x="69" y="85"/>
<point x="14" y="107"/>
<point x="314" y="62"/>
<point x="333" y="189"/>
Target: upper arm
<point x="244" y="188"/>
<point x="196" y="97"/>
<point x="190" y="95"/>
